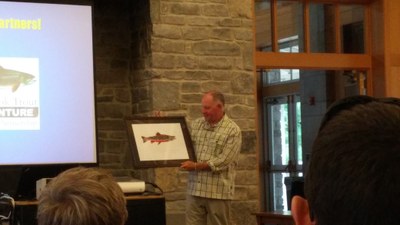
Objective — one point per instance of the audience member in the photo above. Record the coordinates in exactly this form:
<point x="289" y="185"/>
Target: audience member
<point x="82" y="196"/>
<point x="354" y="171"/>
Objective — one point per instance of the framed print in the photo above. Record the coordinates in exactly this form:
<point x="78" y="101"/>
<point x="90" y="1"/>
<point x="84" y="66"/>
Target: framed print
<point x="159" y="141"/>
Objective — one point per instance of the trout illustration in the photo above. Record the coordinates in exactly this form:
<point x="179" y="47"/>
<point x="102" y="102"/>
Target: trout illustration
<point x="14" y="78"/>
<point x="158" y="138"/>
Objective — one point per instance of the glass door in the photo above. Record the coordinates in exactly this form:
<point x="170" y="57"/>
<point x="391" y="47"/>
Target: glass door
<point x="284" y="157"/>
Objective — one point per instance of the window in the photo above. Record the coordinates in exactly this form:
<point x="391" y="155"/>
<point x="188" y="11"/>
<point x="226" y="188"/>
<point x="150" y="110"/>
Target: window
<point x="303" y="62"/>
<point x="284" y="144"/>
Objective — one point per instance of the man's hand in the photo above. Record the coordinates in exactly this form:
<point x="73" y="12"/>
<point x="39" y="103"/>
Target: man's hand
<point x="189" y="165"/>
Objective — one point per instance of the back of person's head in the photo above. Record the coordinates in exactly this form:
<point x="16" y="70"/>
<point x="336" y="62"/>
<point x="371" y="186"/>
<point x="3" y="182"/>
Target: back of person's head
<point x="354" y="172"/>
<point x="82" y="196"/>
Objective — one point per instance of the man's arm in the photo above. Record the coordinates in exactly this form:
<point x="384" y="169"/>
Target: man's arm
<point x="195" y="166"/>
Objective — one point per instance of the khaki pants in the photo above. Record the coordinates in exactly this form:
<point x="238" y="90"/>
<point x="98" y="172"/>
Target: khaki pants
<point x="203" y="211"/>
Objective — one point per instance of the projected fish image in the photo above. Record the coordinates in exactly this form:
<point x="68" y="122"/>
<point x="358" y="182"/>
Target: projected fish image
<point x="158" y="138"/>
<point x="14" y="78"/>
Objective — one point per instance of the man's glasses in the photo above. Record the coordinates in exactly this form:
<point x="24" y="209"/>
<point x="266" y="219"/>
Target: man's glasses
<point x="349" y="102"/>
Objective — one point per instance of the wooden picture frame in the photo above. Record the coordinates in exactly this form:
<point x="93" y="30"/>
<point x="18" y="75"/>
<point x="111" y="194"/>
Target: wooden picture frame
<point x="159" y="141"/>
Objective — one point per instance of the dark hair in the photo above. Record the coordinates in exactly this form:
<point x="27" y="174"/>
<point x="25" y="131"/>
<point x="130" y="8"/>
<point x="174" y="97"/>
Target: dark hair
<point x="354" y="172"/>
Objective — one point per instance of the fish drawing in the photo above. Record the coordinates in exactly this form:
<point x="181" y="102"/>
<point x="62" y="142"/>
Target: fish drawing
<point x="14" y="78"/>
<point x="158" y="138"/>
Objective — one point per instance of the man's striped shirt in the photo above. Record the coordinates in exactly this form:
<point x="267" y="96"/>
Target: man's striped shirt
<point x="219" y="146"/>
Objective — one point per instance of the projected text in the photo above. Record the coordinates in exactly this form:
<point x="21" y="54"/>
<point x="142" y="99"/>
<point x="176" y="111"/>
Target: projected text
<point x="21" y="24"/>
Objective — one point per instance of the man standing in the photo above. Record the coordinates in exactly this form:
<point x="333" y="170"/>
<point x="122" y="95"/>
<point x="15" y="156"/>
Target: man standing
<point x="211" y="184"/>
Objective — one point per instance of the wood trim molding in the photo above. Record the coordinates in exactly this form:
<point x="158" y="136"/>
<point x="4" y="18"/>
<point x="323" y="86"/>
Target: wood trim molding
<point x="281" y="89"/>
<point x="327" y="61"/>
<point x="362" y="2"/>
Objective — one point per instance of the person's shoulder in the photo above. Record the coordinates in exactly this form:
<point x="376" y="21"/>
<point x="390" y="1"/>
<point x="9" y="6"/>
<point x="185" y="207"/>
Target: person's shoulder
<point x="197" y="122"/>
<point x="231" y="123"/>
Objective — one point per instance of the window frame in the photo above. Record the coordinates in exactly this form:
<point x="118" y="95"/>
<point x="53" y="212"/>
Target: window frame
<point x="307" y="60"/>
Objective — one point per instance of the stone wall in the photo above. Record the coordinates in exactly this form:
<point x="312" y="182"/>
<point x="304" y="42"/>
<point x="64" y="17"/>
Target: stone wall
<point x="161" y="55"/>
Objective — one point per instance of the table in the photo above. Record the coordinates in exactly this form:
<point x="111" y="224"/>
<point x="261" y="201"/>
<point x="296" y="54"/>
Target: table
<point x="142" y="209"/>
<point x="274" y="218"/>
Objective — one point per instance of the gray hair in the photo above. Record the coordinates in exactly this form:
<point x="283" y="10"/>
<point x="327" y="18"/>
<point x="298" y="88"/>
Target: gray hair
<point x="82" y="196"/>
<point x="217" y="96"/>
